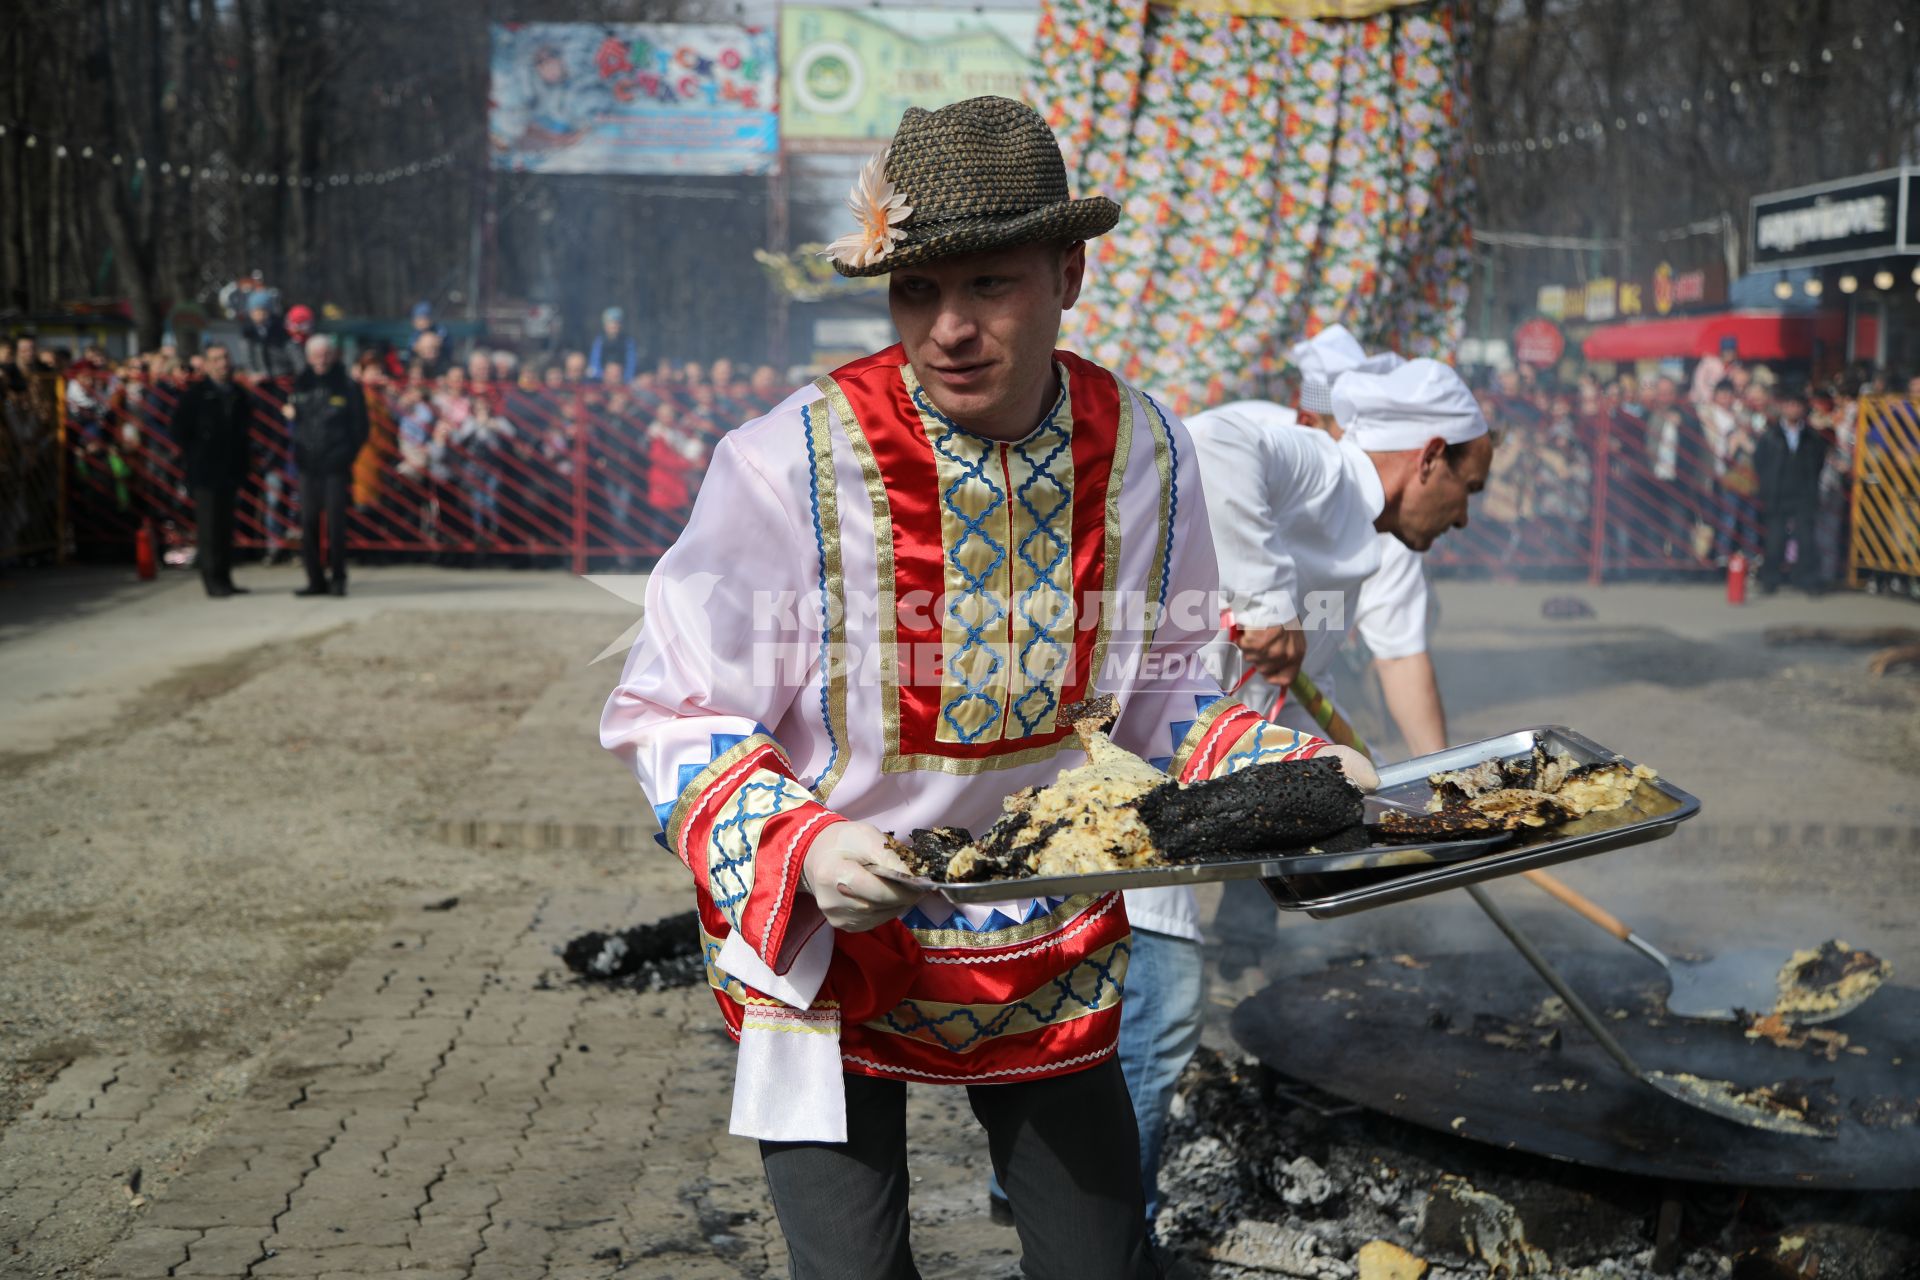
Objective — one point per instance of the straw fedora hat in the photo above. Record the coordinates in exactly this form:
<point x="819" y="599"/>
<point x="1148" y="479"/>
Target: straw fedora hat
<point x="981" y="174"/>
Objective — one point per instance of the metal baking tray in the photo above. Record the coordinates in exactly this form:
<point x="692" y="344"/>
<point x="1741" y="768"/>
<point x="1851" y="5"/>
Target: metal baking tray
<point x="1658" y="807"/>
<point x="1383" y="858"/>
<point x="1336" y="884"/>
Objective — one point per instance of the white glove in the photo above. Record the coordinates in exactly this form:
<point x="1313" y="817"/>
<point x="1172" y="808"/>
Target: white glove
<point x="1357" y="767"/>
<point x="851" y="897"/>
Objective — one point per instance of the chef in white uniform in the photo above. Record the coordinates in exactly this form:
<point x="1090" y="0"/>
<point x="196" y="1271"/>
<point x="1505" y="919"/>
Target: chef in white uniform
<point x="1302" y="521"/>
<point x="1394" y="608"/>
<point x="1297" y="520"/>
<point x="1297" y="515"/>
<point x="1393" y="617"/>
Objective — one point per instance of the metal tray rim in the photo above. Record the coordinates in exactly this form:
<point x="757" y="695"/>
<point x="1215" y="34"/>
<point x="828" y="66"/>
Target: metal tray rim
<point x="1202" y="872"/>
<point x="1422" y="883"/>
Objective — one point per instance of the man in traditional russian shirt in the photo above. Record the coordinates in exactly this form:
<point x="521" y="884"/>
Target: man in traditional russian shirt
<point x="890" y="587"/>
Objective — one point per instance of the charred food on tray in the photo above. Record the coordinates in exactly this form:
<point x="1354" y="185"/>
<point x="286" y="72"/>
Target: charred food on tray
<point x="1535" y="790"/>
<point x="1117" y="812"/>
<point x="1280" y="806"/>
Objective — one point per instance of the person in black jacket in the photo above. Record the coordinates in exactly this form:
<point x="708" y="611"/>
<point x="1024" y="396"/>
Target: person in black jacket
<point x="268" y="344"/>
<point x="329" y="413"/>
<point x="211" y="427"/>
<point x="1788" y="462"/>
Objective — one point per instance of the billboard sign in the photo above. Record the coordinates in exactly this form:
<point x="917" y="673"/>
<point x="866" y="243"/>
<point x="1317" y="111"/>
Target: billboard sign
<point x="1853" y="220"/>
<point x="633" y="97"/>
<point x="848" y="74"/>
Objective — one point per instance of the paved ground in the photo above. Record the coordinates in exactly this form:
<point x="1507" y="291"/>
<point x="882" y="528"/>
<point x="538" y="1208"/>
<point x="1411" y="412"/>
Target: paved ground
<point x="242" y="1044"/>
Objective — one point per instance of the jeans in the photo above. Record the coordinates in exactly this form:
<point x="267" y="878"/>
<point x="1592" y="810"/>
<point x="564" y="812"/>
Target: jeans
<point x="1159" y="1030"/>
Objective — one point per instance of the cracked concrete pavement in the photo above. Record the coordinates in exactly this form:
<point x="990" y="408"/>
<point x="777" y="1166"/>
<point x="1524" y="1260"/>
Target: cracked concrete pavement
<point x="241" y="1043"/>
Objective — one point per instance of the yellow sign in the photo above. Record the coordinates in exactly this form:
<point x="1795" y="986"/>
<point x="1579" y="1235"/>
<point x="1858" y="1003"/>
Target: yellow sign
<point x="1630" y="303"/>
<point x="1552" y="301"/>
<point x="1663" y="288"/>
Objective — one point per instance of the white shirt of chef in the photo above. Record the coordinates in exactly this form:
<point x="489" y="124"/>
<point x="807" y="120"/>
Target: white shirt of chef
<point x="1292" y="513"/>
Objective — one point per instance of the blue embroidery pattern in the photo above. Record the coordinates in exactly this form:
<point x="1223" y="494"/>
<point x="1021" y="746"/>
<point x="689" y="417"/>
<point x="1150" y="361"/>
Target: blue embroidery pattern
<point x="1173" y="503"/>
<point x="958" y="1030"/>
<point x="732" y="846"/>
<point x="1039" y="698"/>
<point x="820" y="550"/>
<point x="1269" y="743"/>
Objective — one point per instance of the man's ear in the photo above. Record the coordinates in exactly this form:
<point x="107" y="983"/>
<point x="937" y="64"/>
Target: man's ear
<point x="1073" y="270"/>
<point x="1431" y="455"/>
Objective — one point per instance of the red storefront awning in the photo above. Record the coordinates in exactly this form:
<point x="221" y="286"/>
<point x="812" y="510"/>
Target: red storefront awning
<point x="1762" y="335"/>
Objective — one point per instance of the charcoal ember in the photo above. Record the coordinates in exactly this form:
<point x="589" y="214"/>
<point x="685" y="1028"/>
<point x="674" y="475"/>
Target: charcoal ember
<point x="650" y="957"/>
<point x="1304" y="1183"/>
<point x="1829" y="1251"/>
<point x="1887" y="1112"/>
<point x="1275" y="1249"/>
<point x="1462" y="1219"/>
<point x="1284" y="805"/>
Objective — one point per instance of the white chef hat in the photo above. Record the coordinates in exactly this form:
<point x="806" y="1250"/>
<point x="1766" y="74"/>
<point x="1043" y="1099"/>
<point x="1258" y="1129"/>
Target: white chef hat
<point x="1321" y="360"/>
<point x="1406" y="407"/>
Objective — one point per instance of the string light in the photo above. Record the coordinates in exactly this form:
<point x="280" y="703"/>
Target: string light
<point x="184" y="172"/>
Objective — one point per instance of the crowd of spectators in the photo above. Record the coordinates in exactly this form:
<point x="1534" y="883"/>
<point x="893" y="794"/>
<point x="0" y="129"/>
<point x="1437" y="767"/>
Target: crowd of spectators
<point x="1695" y="471"/>
<point x="478" y="448"/>
<point x="481" y="448"/>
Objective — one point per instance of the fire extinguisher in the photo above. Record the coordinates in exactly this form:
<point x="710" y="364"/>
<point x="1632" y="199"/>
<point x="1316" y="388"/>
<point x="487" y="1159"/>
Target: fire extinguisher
<point x="145" y="562"/>
<point x="1737" y="579"/>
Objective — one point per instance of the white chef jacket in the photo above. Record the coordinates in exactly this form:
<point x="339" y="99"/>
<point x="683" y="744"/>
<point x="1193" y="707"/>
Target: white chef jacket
<point x="1392" y="613"/>
<point x="1292" y="514"/>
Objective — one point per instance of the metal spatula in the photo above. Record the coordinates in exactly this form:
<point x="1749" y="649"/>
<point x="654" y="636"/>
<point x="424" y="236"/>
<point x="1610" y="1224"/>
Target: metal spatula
<point x="1717" y="1097"/>
<point x="1712" y="989"/>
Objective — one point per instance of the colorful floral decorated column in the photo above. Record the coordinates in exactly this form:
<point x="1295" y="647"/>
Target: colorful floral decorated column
<point x="1279" y="172"/>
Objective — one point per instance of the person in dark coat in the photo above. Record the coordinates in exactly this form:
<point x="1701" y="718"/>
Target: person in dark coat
<point x="212" y="429"/>
<point x="269" y="345"/>
<point x="329" y="414"/>
<point x="1788" y="461"/>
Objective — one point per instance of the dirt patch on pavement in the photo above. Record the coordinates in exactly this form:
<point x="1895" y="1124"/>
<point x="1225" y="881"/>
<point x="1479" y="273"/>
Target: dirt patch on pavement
<point x="189" y="884"/>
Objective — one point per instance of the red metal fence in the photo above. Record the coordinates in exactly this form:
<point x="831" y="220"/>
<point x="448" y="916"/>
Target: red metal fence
<point x="583" y="478"/>
<point x="1607" y="496"/>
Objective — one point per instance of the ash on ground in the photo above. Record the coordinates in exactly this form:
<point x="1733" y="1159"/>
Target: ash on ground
<point x="650" y="957"/>
<point x="1255" y="1185"/>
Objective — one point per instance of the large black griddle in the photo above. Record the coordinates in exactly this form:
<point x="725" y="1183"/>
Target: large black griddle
<point x="1412" y="1043"/>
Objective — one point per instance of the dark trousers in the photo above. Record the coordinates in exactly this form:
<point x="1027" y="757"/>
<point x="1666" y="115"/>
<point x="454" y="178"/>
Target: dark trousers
<point x="324" y="491"/>
<point x="213" y="515"/>
<point x="1065" y="1149"/>
<point x="1791" y="519"/>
